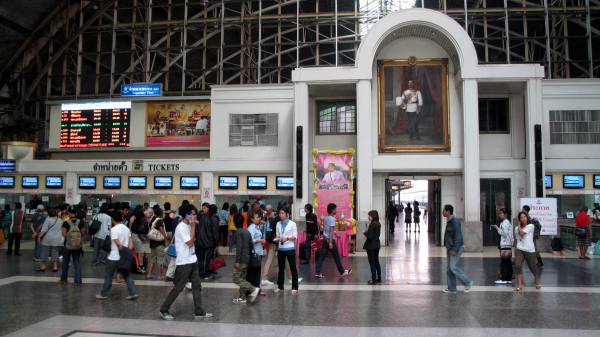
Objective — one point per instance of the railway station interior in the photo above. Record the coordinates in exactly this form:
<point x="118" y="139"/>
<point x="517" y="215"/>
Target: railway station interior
<point x="397" y="106"/>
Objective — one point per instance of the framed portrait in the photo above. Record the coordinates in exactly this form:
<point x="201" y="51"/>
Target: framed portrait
<point x="413" y="105"/>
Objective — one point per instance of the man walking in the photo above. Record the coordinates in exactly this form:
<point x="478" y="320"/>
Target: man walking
<point x="329" y="244"/>
<point x="187" y="266"/>
<point x="243" y="247"/>
<point x="454" y="248"/>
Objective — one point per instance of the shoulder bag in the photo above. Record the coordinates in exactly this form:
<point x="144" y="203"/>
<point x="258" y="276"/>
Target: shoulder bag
<point x="107" y="244"/>
<point x="155" y="234"/>
<point x="581" y="232"/>
<point x="95" y="226"/>
<point x="170" y="249"/>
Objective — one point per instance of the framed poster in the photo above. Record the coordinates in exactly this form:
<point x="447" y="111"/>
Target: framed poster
<point x="178" y="123"/>
<point x="413" y="105"/>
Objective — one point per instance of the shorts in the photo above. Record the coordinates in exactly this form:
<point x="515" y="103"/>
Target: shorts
<point x="584" y="241"/>
<point x="137" y="244"/>
<point x="157" y="255"/>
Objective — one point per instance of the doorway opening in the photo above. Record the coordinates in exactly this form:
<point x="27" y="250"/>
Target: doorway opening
<point x="412" y="212"/>
<point x="494" y="195"/>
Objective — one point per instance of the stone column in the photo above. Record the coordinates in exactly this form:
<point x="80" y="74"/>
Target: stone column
<point x="301" y="111"/>
<point x="471" y="225"/>
<point x="363" y="159"/>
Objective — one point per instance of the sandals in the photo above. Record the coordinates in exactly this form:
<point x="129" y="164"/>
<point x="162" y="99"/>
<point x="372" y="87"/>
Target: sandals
<point x="40" y="269"/>
<point x="538" y="286"/>
<point x="518" y="289"/>
<point x="294" y="291"/>
<point x="277" y="290"/>
<point x="372" y="282"/>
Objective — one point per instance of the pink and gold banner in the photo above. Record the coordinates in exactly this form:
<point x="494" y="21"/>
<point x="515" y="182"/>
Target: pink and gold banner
<point x="334" y="175"/>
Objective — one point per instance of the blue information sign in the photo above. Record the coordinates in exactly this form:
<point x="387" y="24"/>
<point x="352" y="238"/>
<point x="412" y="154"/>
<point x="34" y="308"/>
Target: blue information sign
<point x="151" y="89"/>
<point x="9" y="165"/>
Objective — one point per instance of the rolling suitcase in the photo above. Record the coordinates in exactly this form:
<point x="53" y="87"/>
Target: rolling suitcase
<point x="304" y="251"/>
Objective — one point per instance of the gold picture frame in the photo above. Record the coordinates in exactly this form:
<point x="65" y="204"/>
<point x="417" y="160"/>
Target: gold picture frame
<point x="413" y="117"/>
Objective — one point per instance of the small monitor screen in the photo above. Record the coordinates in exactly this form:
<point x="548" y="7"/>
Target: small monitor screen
<point x="54" y="182"/>
<point x="596" y="180"/>
<point x="7" y="182"/>
<point x="573" y="181"/>
<point x="190" y="183"/>
<point x="138" y="182"/>
<point x="228" y="182"/>
<point x="163" y="182"/>
<point x="285" y="183"/>
<point x="548" y="181"/>
<point x="87" y="182"/>
<point x="257" y="183"/>
<point x="112" y="182"/>
<point x="30" y="182"/>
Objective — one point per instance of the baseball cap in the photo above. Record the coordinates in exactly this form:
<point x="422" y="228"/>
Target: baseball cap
<point x="40" y="207"/>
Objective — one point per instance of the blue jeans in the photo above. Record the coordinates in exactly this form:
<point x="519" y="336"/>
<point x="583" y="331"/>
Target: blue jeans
<point x="231" y="240"/>
<point x="336" y="257"/>
<point x="67" y="255"/>
<point x="453" y="270"/>
<point x="110" y="268"/>
<point x="37" y="252"/>
<point x="99" y="255"/>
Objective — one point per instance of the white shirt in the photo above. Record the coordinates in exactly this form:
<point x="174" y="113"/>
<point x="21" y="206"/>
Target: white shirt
<point x="121" y="232"/>
<point x="334" y="176"/>
<point x="525" y="242"/>
<point x="106" y="221"/>
<point x="185" y="254"/>
<point x="291" y="230"/>
<point x="410" y="103"/>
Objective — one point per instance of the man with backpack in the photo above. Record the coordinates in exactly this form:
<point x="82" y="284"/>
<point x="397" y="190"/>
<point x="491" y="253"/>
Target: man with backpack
<point x="73" y="230"/>
<point x="140" y="226"/>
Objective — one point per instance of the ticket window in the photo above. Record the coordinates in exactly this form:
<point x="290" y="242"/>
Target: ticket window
<point x="30" y="201"/>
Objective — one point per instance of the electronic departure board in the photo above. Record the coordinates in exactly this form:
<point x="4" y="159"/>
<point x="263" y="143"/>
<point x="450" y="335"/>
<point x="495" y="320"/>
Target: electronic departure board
<point x="96" y="124"/>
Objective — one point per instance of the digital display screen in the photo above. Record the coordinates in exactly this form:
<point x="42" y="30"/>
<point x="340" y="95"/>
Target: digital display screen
<point x="163" y="182"/>
<point x="87" y="182"/>
<point x="190" y="183"/>
<point x="137" y="182"/>
<point x="228" y="182"/>
<point x="30" y="182"/>
<point x="285" y="183"/>
<point x="548" y="181"/>
<point x="112" y="182"/>
<point x="7" y="182"/>
<point x="596" y="180"/>
<point x="257" y="183"/>
<point x="96" y="124"/>
<point x="54" y="182"/>
<point x="573" y="181"/>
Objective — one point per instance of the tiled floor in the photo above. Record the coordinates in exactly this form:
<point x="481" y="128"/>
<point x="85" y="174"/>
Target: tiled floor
<point x="409" y="302"/>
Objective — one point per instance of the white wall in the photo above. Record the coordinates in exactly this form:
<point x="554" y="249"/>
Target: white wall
<point x="252" y="99"/>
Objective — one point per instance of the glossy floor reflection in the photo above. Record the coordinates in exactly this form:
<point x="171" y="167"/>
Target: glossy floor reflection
<point x="409" y="301"/>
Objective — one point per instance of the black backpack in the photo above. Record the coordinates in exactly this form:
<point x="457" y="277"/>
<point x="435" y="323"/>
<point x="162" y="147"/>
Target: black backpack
<point x="556" y="244"/>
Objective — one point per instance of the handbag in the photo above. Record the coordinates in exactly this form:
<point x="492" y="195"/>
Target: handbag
<point x="217" y="262"/>
<point x="155" y="234"/>
<point x="170" y="250"/>
<point x="254" y="260"/>
<point x="506" y="253"/>
<point x="95" y="226"/>
<point x="581" y="232"/>
<point x="107" y="244"/>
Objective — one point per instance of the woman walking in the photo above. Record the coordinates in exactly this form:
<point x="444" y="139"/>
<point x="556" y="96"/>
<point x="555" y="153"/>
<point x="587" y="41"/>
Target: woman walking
<point x="408" y="217"/>
<point x="73" y="245"/>
<point x="417" y="217"/>
<point x="525" y="251"/>
<point x="50" y="237"/>
<point x="287" y="233"/>
<point x="506" y="243"/>
<point x="372" y="246"/>
<point x="233" y="210"/>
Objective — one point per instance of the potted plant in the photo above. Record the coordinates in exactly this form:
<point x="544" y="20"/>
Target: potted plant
<point x="17" y="137"/>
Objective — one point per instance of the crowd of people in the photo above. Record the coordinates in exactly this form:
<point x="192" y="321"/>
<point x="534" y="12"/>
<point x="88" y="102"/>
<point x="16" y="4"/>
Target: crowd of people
<point x="253" y="231"/>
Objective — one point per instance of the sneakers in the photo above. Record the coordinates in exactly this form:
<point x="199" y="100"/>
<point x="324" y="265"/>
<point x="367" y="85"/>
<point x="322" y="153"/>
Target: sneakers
<point x="448" y="291"/>
<point x="508" y="282"/>
<point x="500" y="282"/>
<point x="468" y="287"/>
<point x="100" y="297"/>
<point x="239" y="300"/>
<point x="132" y="297"/>
<point x="36" y="260"/>
<point x="266" y="283"/>
<point x="347" y="272"/>
<point x="254" y="294"/>
<point x="204" y="315"/>
<point x="319" y="275"/>
<point x="290" y="280"/>
<point x="166" y="315"/>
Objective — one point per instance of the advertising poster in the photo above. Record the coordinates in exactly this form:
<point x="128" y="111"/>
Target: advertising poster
<point x="334" y="173"/>
<point x="545" y="210"/>
<point x="178" y="123"/>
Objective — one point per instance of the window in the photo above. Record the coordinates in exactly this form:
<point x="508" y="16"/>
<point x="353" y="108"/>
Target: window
<point x="254" y="130"/>
<point x="493" y="115"/>
<point x="337" y="116"/>
<point x="575" y="127"/>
